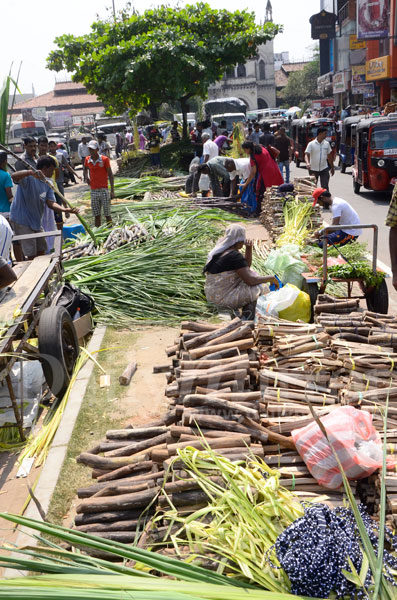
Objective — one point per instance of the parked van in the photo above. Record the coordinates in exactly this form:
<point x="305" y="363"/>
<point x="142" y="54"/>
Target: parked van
<point x="24" y="129"/>
<point x="230" y="118"/>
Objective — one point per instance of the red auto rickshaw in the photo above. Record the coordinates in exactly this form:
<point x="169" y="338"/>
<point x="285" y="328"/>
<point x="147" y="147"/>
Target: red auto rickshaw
<point x="375" y="161"/>
<point x="304" y="131"/>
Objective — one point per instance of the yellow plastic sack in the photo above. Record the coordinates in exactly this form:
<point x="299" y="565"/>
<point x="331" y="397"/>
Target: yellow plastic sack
<point x="300" y="310"/>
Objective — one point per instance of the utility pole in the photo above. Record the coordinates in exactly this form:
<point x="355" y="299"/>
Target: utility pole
<point x="114" y="10"/>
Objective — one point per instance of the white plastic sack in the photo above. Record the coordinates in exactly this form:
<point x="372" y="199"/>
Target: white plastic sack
<point x="204" y="183"/>
<point x="28" y="387"/>
<point x="277" y="301"/>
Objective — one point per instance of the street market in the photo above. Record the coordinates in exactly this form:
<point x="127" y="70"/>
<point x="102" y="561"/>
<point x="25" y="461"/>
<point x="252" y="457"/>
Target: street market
<point x="198" y="326"/>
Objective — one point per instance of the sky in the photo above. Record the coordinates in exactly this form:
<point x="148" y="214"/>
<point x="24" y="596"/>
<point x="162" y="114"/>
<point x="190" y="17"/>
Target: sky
<point x="29" y="31"/>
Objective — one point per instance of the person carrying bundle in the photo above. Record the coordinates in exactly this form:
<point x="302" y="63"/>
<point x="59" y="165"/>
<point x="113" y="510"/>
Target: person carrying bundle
<point x="342" y="214"/>
<point x="230" y="282"/>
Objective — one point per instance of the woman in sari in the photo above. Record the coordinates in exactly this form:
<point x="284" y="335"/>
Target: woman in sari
<point x="264" y="168"/>
<point x="230" y="282"/>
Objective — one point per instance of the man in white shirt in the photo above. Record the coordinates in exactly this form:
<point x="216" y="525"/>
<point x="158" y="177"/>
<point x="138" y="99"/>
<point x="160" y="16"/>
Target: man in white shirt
<point x="210" y="149"/>
<point x="319" y="159"/>
<point x="241" y="168"/>
<point x="342" y="214"/>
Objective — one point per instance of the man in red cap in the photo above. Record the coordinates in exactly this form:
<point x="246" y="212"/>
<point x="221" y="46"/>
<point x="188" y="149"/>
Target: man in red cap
<point x="342" y="214"/>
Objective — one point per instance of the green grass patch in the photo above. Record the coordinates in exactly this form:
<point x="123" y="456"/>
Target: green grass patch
<point x="99" y="412"/>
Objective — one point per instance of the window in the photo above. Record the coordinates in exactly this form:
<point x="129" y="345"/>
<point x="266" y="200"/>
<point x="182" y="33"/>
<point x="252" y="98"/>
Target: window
<point x="262" y="69"/>
<point x="230" y="72"/>
<point x="241" y="72"/>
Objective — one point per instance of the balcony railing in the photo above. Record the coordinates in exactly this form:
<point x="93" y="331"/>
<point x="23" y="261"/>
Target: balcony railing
<point x="343" y="12"/>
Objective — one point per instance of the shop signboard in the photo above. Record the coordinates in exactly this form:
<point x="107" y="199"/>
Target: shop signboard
<point x="367" y="89"/>
<point x="323" y="25"/>
<point x="358" y="74"/>
<point x="38" y="113"/>
<point x="372" y="19"/>
<point x="377" y="68"/>
<point x="60" y="119"/>
<point x="339" y="82"/>
<point x="356" y="44"/>
<point x="324" y="84"/>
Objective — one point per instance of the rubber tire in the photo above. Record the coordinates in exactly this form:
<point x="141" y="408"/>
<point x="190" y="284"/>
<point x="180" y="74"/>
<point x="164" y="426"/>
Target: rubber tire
<point x="58" y="347"/>
<point x="343" y="168"/>
<point x="378" y="300"/>
<point x="356" y="187"/>
<point x="313" y="291"/>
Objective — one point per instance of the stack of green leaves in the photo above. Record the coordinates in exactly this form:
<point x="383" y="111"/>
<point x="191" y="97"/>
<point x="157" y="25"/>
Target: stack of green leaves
<point x="129" y="187"/>
<point x="245" y="515"/>
<point x="159" y="281"/>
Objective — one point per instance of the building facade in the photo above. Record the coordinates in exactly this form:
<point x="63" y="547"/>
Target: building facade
<point x="252" y="82"/>
<point x="362" y="65"/>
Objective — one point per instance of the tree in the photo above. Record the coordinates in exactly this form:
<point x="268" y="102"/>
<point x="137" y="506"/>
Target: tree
<point x="302" y="85"/>
<point x="162" y="55"/>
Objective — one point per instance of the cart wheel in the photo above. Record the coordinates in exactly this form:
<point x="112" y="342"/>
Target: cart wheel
<point x="343" y="168"/>
<point x="58" y="347"/>
<point x="313" y="291"/>
<point x="356" y="186"/>
<point x="378" y="299"/>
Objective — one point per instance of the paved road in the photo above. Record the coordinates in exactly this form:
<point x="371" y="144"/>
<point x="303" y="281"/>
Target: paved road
<point x="372" y="208"/>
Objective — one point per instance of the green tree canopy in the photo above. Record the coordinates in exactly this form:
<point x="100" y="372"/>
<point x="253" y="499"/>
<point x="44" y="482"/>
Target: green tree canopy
<point x="162" y="55"/>
<point x="302" y="85"/>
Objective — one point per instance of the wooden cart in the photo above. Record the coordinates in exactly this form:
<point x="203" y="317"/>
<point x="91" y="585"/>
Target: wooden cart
<point x="26" y="313"/>
<point x="377" y="299"/>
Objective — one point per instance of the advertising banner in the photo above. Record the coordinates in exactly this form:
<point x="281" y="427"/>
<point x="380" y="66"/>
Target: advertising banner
<point x="372" y="19"/>
<point x="377" y="68"/>
<point x="60" y="119"/>
<point x="339" y="82"/>
<point x="367" y="89"/>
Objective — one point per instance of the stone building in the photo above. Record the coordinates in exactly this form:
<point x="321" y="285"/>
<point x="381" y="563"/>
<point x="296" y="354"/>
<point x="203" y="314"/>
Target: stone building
<point x="252" y="82"/>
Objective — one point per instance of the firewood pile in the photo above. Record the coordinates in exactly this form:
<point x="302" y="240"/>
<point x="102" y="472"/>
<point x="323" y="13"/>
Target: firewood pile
<point x="272" y="215"/>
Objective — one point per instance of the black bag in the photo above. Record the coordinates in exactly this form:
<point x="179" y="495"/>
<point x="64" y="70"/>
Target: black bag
<point x="72" y="298"/>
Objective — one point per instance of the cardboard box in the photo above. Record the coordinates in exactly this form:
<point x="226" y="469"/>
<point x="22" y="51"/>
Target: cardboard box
<point x="83" y="326"/>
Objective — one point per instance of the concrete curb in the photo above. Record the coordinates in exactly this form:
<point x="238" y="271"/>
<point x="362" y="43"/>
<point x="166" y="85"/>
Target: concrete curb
<point x="57" y="453"/>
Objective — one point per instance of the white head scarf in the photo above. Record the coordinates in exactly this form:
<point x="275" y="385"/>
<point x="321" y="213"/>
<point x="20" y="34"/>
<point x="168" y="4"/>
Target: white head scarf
<point x="233" y="234"/>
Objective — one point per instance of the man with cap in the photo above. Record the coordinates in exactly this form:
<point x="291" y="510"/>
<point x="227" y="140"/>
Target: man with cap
<point x="98" y="172"/>
<point x="343" y="215"/>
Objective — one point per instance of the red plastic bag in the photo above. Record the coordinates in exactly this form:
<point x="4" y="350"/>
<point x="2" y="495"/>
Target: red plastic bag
<point x="354" y="439"/>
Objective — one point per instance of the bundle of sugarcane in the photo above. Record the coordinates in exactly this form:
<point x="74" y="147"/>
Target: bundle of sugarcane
<point x="305" y="185"/>
<point x="127" y="233"/>
<point x="125" y="187"/>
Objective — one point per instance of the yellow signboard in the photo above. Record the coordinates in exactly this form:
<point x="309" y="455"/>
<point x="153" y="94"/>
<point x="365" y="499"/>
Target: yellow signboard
<point x="356" y="44"/>
<point x="377" y="68"/>
<point x="358" y="70"/>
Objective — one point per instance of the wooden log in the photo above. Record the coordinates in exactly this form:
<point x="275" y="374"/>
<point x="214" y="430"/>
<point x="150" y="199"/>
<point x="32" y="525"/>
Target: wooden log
<point x="139" y="446"/>
<point x="109" y="516"/>
<point x="210" y="351"/>
<point x="125" y="471"/>
<point x="123" y="537"/>
<point x="135" y="434"/>
<point x="211" y="421"/>
<point x="114" y="526"/>
<point x="193" y="400"/>
<point x="206" y="337"/>
<point x="99" y="462"/>
<point x="113" y="489"/>
<point x="86" y="492"/>
<point x="128" y="373"/>
<point x="161" y="368"/>
<point x="120" y="502"/>
<point x="226" y="353"/>
<point x="199" y="326"/>
<point x="272" y="436"/>
<point x="237" y="334"/>
<point x="161" y="455"/>
<point x="207" y="364"/>
<point x="238" y="363"/>
<point x="183" y="499"/>
<point x="198" y="379"/>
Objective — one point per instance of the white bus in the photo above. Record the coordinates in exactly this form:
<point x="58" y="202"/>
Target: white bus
<point x="22" y="129"/>
<point x="110" y="130"/>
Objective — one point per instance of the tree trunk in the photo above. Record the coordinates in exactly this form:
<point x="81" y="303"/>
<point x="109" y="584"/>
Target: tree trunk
<point x="185" y="110"/>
